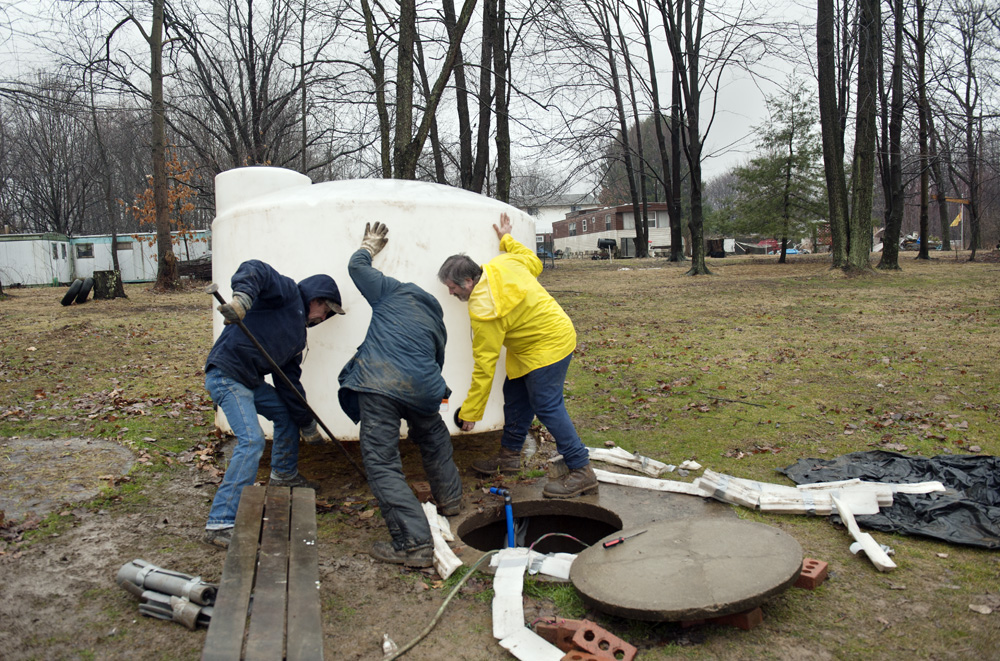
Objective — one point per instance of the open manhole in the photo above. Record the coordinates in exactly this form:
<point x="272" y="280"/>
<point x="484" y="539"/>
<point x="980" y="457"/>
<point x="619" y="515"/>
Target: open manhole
<point x="589" y="523"/>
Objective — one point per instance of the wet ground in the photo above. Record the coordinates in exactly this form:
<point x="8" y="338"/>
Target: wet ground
<point x="40" y="476"/>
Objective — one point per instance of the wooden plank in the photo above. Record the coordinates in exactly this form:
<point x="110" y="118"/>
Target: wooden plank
<point x="266" y="637"/>
<point x="305" y="625"/>
<point x="225" y="633"/>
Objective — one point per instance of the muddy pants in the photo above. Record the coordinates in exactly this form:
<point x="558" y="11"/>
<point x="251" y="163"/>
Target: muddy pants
<point x="380" y="417"/>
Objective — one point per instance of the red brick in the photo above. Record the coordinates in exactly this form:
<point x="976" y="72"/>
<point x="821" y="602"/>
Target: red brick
<point x="602" y="644"/>
<point x="814" y="572"/>
<point x="559" y="633"/>
<point x="577" y="655"/>
<point x="422" y="490"/>
<point x="746" y="620"/>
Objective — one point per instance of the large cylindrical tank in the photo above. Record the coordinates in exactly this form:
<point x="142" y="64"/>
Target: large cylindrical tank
<point x="300" y="228"/>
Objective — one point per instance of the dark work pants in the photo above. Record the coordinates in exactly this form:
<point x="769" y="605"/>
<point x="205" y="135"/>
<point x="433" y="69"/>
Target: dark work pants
<point x="380" y="418"/>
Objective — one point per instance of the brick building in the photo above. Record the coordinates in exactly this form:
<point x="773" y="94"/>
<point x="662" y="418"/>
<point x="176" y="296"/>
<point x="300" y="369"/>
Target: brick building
<point x="579" y="232"/>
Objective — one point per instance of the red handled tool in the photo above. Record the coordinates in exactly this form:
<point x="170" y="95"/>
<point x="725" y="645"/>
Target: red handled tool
<point x="618" y="540"/>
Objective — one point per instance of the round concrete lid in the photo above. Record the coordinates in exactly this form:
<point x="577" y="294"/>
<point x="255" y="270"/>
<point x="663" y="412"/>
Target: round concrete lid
<point x="689" y="569"/>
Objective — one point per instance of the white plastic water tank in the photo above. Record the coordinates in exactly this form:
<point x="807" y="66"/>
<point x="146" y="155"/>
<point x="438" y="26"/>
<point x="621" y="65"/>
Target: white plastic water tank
<point x="300" y="228"/>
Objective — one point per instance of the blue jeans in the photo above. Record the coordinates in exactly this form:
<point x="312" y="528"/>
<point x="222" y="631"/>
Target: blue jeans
<point x="241" y="406"/>
<point x="540" y="393"/>
<point x="380" y="416"/>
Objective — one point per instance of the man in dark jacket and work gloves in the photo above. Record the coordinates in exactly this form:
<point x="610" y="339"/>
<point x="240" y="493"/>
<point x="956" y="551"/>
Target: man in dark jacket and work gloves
<point x="396" y="375"/>
<point x="277" y="312"/>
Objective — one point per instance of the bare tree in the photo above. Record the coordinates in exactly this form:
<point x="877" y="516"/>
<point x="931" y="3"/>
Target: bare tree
<point x="704" y="45"/>
<point x="891" y="158"/>
<point x="53" y="179"/>
<point x="408" y="135"/>
<point x="602" y="15"/>
<point x="863" y="163"/>
<point x="669" y="156"/>
<point x="960" y="80"/>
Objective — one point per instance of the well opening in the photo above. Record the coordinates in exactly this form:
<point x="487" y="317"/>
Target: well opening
<point x="487" y="531"/>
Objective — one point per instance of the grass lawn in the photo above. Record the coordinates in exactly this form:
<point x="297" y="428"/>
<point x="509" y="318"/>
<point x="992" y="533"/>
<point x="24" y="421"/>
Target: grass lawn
<point x="746" y="371"/>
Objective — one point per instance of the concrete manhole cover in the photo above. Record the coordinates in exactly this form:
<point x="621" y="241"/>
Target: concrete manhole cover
<point x="41" y="475"/>
<point x="688" y="569"/>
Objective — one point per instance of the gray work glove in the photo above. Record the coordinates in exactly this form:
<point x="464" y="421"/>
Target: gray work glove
<point x="375" y="238"/>
<point x="310" y="434"/>
<point x="236" y="308"/>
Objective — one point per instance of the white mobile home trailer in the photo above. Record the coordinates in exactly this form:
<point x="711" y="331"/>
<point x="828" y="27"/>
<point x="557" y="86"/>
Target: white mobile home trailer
<point x="136" y="257"/>
<point x="35" y="259"/>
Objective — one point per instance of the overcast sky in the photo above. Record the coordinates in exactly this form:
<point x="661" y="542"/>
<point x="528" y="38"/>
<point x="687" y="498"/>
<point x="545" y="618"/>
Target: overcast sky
<point x="741" y="99"/>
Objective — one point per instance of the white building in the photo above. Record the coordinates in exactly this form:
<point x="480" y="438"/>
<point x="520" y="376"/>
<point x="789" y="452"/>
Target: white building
<point x="52" y="259"/>
<point x="550" y="209"/>
<point x="35" y="259"/>
<point x="136" y="254"/>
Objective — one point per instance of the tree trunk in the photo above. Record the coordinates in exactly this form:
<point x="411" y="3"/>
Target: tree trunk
<point x="940" y="184"/>
<point x="110" y="208"/>
<point x="661" y="140"/>
<point x="378" y="81"/>
<point x="676" y="231"/>
<point x="894" y="189"/>
<point x="786" y="201"/>
<point x="863" y="170"/>
<point x="830" y="122"/>
<point x="603" y="22"/>
<point x="501" y="66"/>
<point x="643" y="235"/>
<point x="482" y="162"/>
<point x="694" y="146"/>
<point x="974" y="136"/>
<point x="401" y="150"/>
<point x="410" y="147"/>
<point x="107" y="284"/>
<point x="672" y="33"/>
<point x="436" y="151"/>
<point x="923" y="110"/>
<point x="461" y="103"/>
<point x="166" y="273"/>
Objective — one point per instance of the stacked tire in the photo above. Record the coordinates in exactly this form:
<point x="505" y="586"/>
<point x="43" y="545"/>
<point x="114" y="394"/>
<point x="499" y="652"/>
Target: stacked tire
<point x="78" y="292"/>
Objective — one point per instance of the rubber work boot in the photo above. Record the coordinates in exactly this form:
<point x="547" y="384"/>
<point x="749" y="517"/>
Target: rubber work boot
<point x="218" y="538"/>
<point x="384" y="551"/>
<point x="507" y="462"/>
<point x="298" y="481"/>
<point x="577" y="482"/>
<point x="450" y="509"/>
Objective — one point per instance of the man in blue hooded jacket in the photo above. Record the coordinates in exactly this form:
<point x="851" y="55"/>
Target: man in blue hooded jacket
<point x="396" y="375"/>
<point x="277" y="312"/>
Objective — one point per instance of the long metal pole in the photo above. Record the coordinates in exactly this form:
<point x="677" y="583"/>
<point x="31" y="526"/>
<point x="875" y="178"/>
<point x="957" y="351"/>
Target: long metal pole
<point x="214" y="290"/>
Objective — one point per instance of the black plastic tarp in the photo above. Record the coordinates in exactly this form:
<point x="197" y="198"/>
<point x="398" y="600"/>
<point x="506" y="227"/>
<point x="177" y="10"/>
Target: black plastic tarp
<point x="968" y="512"/>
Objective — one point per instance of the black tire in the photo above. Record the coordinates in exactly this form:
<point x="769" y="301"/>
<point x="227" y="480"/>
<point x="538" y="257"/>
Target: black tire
<point x="74" y="289"/>
<point x="88" y="284"/>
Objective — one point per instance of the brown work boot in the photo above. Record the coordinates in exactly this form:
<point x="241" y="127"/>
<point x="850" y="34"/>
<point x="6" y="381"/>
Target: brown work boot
<point x="574" y="483"/>
<point x="450" y="509"/>
<point x="508" y="461"/>
<point x="386" y="552"/>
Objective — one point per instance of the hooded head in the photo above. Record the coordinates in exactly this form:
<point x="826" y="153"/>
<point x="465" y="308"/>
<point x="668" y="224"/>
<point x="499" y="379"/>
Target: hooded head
<point x="321" y="288"/>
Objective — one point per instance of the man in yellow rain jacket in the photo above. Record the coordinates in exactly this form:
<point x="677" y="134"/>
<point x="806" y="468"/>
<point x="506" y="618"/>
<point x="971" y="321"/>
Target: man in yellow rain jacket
<point x="509" y="308"/>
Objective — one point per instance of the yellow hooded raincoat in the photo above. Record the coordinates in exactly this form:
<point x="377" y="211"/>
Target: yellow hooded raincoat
<point x="508" y="307"/>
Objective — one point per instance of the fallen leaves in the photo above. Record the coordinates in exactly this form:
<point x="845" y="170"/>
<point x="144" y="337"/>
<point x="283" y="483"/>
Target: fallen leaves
<point x="756" y="449"/>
